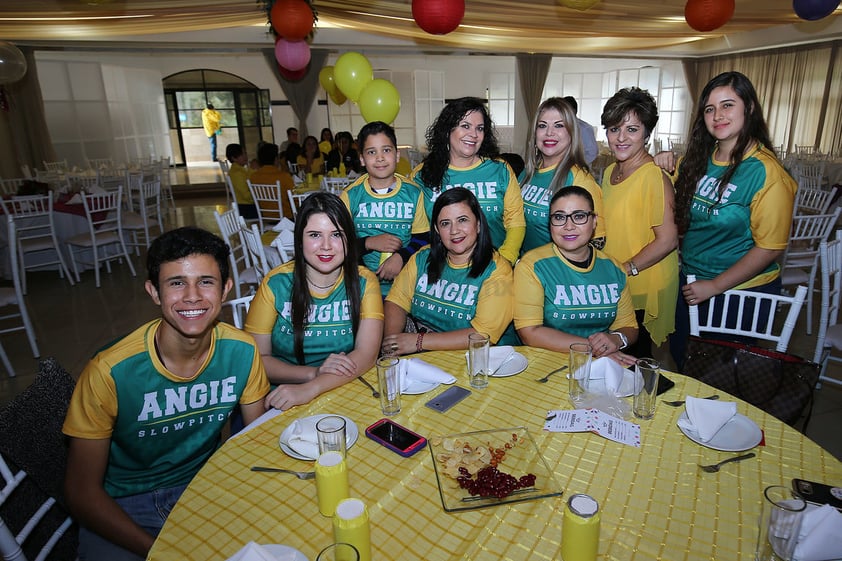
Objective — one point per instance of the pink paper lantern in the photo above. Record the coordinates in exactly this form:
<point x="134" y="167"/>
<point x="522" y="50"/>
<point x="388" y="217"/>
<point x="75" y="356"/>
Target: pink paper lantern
<point x="292" y="55"/>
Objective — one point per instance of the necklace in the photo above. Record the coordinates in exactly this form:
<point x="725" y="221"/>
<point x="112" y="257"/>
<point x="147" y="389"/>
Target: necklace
<point x="618" y="176"/>
<point x="314" y="285"/>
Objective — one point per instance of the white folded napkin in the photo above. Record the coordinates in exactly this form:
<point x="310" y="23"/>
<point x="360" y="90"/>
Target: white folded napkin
<point x="820" y="538"/>
<point x="303" y="439"/>
<point x="252" y="552"/>
<point x="705" y="417"/>
<point x="284" y="239"/>
<point x="416" y="370"/>
<point x="615" y="379"/>
<point x="498" y="355"/>
<point x="284" y="225"/>
<point x="270" y="414"/>
<point x="297" y="180"/>
<point x="75" y="200"/>
<point x="97" y="190"/>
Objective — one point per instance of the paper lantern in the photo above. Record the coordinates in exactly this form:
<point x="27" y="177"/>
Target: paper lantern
<point x="351" y="73"/>
<point x="292" y="55"/>
<point x="812" y="10"/>
<point x="707" y="15"/>
<point x="380" y="101"/>
<point x="580" y="5"/>
<point x="291" y="19"/>
<point x="438" y="17"/>
<point x="292" y="75"/>
<point x="12" y="63"/>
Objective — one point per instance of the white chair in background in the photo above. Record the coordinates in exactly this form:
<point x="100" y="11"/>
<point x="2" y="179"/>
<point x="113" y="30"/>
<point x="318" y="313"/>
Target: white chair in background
<point x="56" y="167"/>
<point x="147" y="216"/>
<point x="242" y="271"/>
<point x="239" y="309"/>
<point x="295" y="200"/>
<point x="13" y="296"/>
<point x="268" y="199"/>
<point x="100" y="163"/>
<point x="36" y="235"/>
<point x="229" y="191"/>
<point x="812" y="199"/>
<point x="254" y="246"/>
<point x="801" y="258"/>
<point x="768" y="304"/>
<point x="104" y="212"/>
<point x="830" y="333"/>
<point x="11" y="186"/>
<point x="334" y="185"/>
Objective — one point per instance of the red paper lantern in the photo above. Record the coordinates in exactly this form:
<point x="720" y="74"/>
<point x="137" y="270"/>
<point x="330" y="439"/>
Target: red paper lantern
<point x="292" y="55"/>
<point x="293" y="75"/>
<point x="438" y="17"/>
<point x="707" y="15"/>
<point x="291" y="19"/>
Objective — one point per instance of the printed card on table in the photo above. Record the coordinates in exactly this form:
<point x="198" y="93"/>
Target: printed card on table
<point x="593" y="420"/>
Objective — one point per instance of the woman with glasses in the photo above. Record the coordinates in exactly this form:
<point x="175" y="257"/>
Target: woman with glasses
<point x="639" y="222"/>
<point x="453" y="287"/>
<point x="569" y="292"/>
<point x="555" y="158"/>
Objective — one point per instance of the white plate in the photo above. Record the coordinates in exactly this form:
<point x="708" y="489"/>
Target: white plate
<point x="516" y="365"/>
<point x="284" y="552"/>
<point x="738" y="434"/>
<point x="417" y="387"/>
<point x="352" y="433"/>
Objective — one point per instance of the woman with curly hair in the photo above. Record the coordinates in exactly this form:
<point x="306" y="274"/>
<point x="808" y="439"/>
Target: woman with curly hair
<point x="555" y="159"/>
<point x="311" y="159"/>
<point x="639" y="223"/>
<point x="463" y="153"/>
<point x="733" y="201"/>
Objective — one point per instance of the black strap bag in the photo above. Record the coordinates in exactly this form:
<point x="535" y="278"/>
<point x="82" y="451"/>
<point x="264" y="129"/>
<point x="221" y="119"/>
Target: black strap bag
<point x="780" y="384"/>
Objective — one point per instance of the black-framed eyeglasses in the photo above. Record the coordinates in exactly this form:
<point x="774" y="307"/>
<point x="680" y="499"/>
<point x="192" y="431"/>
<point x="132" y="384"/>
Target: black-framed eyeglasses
<point x="578" y="217"/>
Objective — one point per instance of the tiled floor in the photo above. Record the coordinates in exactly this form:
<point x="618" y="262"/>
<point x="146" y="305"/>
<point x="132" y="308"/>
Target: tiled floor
<point x="73" y="322"/>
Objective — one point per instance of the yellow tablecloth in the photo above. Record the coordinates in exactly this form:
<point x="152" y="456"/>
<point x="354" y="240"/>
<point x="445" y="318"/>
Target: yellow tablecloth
<point x="655" y="502"/>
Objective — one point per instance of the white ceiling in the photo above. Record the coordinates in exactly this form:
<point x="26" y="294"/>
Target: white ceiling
<point x="611" y="28"/>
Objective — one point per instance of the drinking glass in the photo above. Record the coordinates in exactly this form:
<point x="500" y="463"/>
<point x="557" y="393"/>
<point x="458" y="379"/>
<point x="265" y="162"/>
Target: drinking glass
<point x="579" y="369"/>
<point x="478" y="349"/>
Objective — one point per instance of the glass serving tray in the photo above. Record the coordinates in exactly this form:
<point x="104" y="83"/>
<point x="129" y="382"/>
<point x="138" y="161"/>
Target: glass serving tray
<point x="521" y="458"/>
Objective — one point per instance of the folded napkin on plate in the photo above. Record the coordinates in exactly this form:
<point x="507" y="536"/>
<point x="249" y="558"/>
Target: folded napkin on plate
<point x="302" y="437"/>
<point x="96" y="190"/>
<point x="75" y="200"/>
<point x="615" y="379"/>
<point x="820" y="538"/>
<point x="705" y="417"/>
<point x="416" y="370"/>
<point x="284" y="225"/>
<point x="253" y="552"/>
<point x="498" y="355"/>
<point x="284" y="239"/>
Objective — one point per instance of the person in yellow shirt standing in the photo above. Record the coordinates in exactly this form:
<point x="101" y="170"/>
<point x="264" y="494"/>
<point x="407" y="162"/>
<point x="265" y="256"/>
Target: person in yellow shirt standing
<point x="211" y="121"/>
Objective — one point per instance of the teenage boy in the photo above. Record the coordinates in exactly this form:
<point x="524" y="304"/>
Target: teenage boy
<point x="383" y="204"/>
<point x="149" y="409"/>
<point x="239" y="173"/>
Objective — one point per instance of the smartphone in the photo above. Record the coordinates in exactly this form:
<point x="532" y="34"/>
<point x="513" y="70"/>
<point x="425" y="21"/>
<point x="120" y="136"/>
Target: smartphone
<point x="448" y="398"/>
<point x="395" y="437"/>
<point x="818" y="493"/>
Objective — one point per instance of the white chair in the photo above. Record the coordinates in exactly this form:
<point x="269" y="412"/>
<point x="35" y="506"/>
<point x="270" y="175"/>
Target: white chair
<point x="811" y="198"/>
<point x="56" y="167"/>
<point x="761" y="304"/>
<point x="36" y="235"/>
<point x="229" y="191"/>
<point x="801" y="258"/>
<point x="293" y="168"/>
<point x="267" y="198"/>
<point x="295" y="200"/>
<point x="83" y="182"/>
<point x="239" y="308"/>
<point x="334" y="185"/>
<point x="254" y="246"/>
<point x="11" y="186"/>
<point x="830" y="333"/>
<point x="14" y="297"/>
<point x="104" y="212"/>
<point x="100" y="163"/>
<point x="147" y="217"/>
<point x="242" y="271"/>
<point x="166" y="181"/>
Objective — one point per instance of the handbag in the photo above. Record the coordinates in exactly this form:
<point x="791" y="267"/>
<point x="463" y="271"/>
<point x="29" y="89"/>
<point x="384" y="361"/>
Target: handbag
<point x="780" y="384"/>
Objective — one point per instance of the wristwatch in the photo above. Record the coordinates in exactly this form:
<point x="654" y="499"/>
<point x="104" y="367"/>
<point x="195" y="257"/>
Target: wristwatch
<point x="624" y="341"/>
<point x="633" y="269"/>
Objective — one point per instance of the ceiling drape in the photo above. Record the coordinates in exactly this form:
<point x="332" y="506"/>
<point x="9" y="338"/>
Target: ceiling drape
<point x="300" y="93"/>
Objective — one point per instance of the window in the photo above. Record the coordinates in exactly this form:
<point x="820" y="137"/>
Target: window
<point x="501" y="98"/>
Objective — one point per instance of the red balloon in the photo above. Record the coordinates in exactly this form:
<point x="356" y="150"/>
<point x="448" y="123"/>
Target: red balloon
<point x="293" y="75"/>
<point x="707" y="15"/>
<point x="438" y="17"/>
<point x="291" y="19"/>
<point x="292" y="55"/>
<point x="812" y="10"/>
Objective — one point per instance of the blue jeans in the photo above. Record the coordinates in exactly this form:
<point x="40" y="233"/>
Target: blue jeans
<point x="149" y="510"/>
<point x="678" y="339"/>
<point x="212" y="140"/>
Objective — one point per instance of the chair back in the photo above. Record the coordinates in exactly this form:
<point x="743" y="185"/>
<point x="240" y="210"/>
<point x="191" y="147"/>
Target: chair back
<point x="295" y="200"/>
<point x="224" y="166"/>
<point x="810" y="168"/>
<point x="254" y="246"/>
<point x="755" y="315"/>
<point x="229" y="227"/>
<point x="808" y="231"/>
<point x="15" y="297"/>
<point x="268" y="200"/>
<point x="334" y="185"/>
<point x="239" y="309"/>
<point x="56" y="167"/>
<point x="811" y="198"/>
<point x="100" y="163"/>
<point x="830" y="256"/>
<point x="104" y="213"/>
<point x="11" y="186"/>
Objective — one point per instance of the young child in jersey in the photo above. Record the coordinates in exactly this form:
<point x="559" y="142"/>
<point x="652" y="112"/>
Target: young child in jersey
<point x="388" y="209"/>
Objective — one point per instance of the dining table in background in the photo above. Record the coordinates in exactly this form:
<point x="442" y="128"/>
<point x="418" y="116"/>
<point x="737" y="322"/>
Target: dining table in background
<point x="655" y="501"/>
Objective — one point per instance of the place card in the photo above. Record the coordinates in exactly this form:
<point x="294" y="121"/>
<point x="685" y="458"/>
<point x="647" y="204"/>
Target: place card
<point x="595" y="421"/>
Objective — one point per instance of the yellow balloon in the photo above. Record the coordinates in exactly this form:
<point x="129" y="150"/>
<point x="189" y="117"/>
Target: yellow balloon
<point x="338" y="97"/>
<point x="326" y="79"/>
<point x="351" y="73"/>
<point x="380" y="101"/>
